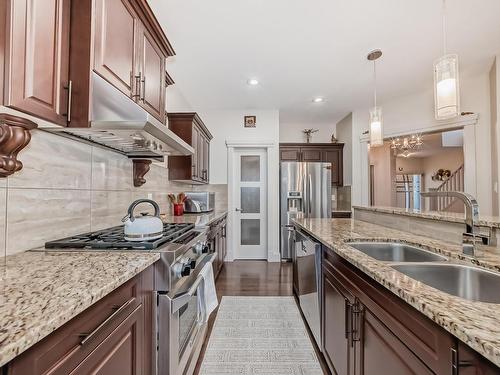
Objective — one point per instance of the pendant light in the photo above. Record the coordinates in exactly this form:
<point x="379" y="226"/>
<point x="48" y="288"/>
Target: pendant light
<point x="446" y="88"/>
<point x="376" y="124"/>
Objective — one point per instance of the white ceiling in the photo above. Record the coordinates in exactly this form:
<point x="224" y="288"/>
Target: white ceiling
<point x="299" y="49"/>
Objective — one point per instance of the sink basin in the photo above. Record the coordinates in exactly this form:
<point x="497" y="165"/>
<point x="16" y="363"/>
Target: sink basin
<point x="396" y="252"/>
<point x="471" y="283"/>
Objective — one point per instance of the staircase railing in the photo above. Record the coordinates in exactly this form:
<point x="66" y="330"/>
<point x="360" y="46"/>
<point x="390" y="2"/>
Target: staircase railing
<point x="454" y="183"/>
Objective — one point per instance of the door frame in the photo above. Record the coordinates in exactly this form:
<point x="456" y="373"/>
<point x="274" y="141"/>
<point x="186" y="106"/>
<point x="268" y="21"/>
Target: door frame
<point x="271" y="148"/>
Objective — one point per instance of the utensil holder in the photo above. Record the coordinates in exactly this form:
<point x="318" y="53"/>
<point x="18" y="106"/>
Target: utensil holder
<point x="178" y="209"/>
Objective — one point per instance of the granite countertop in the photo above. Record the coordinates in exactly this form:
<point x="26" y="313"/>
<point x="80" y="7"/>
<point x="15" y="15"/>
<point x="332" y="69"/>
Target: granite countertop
<point x="40" y="291"/>
<point x="453" y="217"/>
<point x="475" y="323"/>
<point x="200" y="220"/>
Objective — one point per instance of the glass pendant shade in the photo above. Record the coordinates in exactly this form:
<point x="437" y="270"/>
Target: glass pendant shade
<point x="376" y="127"/>
<point x="446" y="87"/>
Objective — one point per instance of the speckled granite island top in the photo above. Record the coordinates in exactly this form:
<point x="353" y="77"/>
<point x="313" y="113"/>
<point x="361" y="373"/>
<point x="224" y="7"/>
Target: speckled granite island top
<point x="475" y="323"/>
<point x="40" y="291"/>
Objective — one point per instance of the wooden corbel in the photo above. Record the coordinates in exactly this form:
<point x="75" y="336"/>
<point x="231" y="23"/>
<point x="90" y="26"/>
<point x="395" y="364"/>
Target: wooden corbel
<point x="15" y="134"/>
<point x="141" y="167"/>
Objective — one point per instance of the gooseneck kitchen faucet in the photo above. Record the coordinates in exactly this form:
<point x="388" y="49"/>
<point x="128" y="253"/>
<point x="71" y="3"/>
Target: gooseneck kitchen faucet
<point x="471" y="237"/>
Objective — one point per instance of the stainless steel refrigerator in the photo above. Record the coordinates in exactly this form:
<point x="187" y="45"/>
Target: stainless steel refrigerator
<point x="305" y="192"/>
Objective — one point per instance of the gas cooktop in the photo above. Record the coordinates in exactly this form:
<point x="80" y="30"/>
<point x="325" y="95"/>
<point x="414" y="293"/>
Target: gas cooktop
<point x="113" y="238"/>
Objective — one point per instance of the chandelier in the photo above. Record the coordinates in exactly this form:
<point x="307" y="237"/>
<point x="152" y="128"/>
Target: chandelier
<point x="404" y="146"/>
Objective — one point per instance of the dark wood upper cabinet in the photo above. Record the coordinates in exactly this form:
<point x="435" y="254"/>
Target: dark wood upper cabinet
<point x="311" y="154"/>
<point x="152" y="74"/>
<point x="289" y="154"/>
<point x="50" y="49"/>
<point x="116" y="30"/>
<point x="194" y="168"/>
<point x="317" y="152"/>
<point x="335" y="156"/>
<point x="37" y="57"/>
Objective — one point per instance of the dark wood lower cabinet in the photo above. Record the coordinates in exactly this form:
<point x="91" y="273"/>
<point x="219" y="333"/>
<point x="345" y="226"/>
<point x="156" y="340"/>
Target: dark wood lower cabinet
<point x="218" y="242"/>
<point x="368" y="330"/>
<point x="121" y="352"/>
<point x="381" y="352"/>
<point x="113" y="336"/>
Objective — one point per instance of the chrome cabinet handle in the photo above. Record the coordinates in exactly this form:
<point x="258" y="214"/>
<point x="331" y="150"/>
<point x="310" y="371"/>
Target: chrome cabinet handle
<point x="95" y="332"/>
<point x="143" y="81"/>
<point x="70" y="99"/>
<point x="137" y="86"/>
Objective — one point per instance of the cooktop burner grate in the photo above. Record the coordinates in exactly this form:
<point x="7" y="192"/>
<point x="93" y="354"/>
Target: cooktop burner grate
<point x="113" y="238"/>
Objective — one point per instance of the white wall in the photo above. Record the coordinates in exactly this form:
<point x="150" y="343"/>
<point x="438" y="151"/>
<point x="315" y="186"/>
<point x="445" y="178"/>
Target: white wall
<point x="228" y="125"/>
<point x="495" y="132"/>
<point x="416" y="113"/>
<point x="344" y="135"/>
<point x="291" y="132"/>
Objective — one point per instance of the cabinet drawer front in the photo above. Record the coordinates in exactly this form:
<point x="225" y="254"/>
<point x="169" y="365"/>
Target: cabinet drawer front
<point x="120" y="352"/>
<point x="426" y="339"/>
<point x="63" y="350"/>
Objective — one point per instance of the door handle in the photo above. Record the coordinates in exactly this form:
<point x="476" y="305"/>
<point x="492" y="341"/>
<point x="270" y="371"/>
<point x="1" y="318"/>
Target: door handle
<point x="238" y="210"/>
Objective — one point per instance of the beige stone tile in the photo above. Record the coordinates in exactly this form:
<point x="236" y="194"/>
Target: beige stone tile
<point x="156" y="179"/>
<point x="51" y="161"/>
<point x="111" y="170"/>
<point x="439" y="230"/>
<point x="35" y="216"/>
<point x="3" y="211"/>
<point x="108" y="208"/>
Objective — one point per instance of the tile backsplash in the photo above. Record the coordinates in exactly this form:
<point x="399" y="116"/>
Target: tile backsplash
<point x="67" y="187"/>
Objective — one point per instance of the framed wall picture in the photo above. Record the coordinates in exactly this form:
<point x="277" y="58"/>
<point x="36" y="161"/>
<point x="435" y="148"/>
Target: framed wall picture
<point x="250" y="121"/>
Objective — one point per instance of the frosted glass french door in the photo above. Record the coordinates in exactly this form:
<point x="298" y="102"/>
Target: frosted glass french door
<point x="250" y="202"/>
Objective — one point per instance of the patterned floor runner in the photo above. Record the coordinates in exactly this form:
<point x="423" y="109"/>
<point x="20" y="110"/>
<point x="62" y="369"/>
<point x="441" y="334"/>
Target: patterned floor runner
<point x="259" y="335"/>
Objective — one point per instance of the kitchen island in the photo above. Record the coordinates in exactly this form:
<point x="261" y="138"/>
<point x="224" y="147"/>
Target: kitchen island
<point x="476" y="324"/>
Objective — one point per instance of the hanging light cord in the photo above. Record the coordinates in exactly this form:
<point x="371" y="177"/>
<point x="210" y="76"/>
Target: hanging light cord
<point x="444" y="27"/>
<point x="374" y="83"/>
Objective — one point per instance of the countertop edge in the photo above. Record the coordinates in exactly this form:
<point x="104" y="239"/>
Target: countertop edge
<point x="432" y="215"/>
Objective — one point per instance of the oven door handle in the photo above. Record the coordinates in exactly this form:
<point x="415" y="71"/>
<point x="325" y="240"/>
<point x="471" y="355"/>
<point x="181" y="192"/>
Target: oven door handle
<point x="182" y="298"/>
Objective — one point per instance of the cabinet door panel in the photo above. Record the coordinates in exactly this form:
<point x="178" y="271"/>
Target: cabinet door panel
<point x="115" y="34"/>
<point x="195" y="157"/>
<point x="337" y="349"/>
<point x="290" y="154"/>
<point x="335" y="157"/>
<point x="311" y="154"/>
<point x="206" y="156"/>
<point x="38" y="58"/>
<point x="120" y="352"/>
<point x="153" y="75"/>
<point x="381" y="352"/>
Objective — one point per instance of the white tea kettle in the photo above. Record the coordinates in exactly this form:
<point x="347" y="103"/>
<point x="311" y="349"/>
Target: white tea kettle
<point x="145" y="227"/>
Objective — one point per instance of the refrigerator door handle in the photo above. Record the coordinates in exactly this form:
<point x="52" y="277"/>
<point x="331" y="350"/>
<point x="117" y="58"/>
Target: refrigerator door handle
<point x="309" y="190"/>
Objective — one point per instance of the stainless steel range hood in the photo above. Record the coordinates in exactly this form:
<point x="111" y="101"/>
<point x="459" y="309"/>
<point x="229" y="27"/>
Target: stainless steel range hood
<point x="120" y="124"/>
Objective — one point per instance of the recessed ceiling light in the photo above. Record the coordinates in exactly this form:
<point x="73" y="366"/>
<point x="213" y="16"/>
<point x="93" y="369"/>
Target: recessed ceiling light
<point x="318" y="99"/>
<point x="253" y="82"/>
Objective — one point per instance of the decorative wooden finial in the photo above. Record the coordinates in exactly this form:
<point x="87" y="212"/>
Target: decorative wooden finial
<point x="141" y="167"/>
<point x="15" y="134"/>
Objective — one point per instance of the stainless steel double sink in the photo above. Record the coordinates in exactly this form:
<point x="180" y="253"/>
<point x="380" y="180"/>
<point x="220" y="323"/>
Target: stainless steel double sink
<point x="468" y="282"/>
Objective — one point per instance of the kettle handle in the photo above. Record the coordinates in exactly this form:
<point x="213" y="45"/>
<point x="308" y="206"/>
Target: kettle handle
<point x="139" y="201"/>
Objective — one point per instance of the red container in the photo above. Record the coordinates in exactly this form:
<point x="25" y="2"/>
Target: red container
<point x="178" y="209"/>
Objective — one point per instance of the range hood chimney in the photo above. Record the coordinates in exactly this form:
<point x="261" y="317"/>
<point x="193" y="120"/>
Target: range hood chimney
<point x="120" y="124"/>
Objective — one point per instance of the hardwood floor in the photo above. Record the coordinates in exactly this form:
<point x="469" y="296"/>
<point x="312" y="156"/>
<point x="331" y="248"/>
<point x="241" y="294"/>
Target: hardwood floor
<point x="253" y="278"/>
